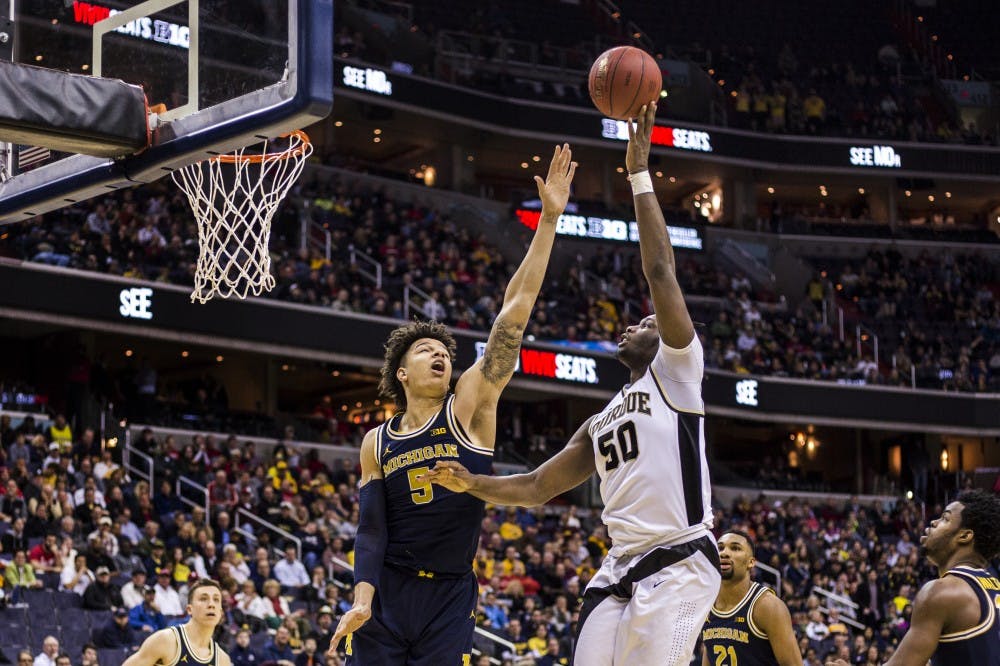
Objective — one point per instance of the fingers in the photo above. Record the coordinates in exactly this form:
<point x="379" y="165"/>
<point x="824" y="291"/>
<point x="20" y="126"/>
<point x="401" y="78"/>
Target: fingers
<point x="554" y="164"/>
<point x="444" y="464"/>
<point x="568" y="159"/>
<point x="560" y="161"/>
<point x="631" y="130"/>
<point x="650" y="112"/>
<point x="572" y="170"/>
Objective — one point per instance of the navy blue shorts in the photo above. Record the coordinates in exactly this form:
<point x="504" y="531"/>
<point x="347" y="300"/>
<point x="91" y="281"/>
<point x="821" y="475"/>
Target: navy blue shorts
<point x="418" y="621"/>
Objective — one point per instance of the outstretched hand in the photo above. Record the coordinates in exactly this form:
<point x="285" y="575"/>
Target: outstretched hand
<point x="554" y="190"/>
<point x="450" y="475"/>
<point x="350" y="622"/>
<point x="637" y="155"/>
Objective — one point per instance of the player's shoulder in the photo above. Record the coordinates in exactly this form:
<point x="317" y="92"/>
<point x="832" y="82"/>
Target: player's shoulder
<point x="164" y="643"/>
<point x="768" y="608"/>
<point x="221" y="657"/>
<point x="950" y="589"/>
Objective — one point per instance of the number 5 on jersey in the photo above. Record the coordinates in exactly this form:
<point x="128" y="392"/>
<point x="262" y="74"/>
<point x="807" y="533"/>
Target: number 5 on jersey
<point x="626" y="448"/>
<point x="420" y="492"/>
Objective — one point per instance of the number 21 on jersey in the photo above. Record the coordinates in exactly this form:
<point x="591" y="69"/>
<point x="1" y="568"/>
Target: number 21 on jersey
<point x="619" y="445"/>
<point x="723" y="651"/>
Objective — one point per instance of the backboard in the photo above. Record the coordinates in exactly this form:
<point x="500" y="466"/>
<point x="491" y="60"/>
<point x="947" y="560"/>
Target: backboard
<point x="228" y="72"/>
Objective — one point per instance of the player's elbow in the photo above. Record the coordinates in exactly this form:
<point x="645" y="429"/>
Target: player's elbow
<point x="513" y="316"/>
<point x="657" y="269"/>
<point x="542" y="490"/>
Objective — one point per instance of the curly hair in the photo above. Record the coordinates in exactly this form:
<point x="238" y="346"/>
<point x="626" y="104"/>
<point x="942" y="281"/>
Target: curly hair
<point x="981" y="514"/>
<point x="399" y="342"/>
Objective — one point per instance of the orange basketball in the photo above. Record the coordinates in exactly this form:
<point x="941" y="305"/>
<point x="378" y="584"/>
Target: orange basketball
<point x="622" y="79"/>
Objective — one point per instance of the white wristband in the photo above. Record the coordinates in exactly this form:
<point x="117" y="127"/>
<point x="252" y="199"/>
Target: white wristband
<point x="641" y="183"/>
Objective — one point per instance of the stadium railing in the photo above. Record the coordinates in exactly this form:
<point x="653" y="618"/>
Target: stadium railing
<point x="145" y="472"/>
<point x="200" y="491"/>
<point x="410" y="304"/>
<point x="251" y="536"/>
<point x="359" y="259"/>
<point x="775" y="573"/>
<point x="842" y="604"/>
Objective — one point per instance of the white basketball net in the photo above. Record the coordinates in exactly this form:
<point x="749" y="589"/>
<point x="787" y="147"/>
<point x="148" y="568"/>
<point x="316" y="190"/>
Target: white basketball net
<point x="233" y="198"/>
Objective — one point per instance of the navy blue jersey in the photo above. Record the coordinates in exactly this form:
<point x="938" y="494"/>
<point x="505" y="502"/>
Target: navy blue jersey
<point x="430" y="528"/>
<point x="979" y="645"/>
<point x="732" y="639"/>
<point x="186" y="656"/>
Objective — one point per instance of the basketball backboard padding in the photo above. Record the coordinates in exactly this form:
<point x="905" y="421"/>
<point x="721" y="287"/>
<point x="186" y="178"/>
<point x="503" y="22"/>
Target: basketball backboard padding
<point x="303" y="96"/>
<point x="70" y="112"/>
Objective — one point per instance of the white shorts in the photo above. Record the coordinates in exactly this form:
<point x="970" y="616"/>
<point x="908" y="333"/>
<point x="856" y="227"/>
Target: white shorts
<point x="637" y="611"/>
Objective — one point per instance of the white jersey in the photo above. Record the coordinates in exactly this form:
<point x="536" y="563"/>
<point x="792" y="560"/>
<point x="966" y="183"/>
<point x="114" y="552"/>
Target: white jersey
<point x="649" y="445"/>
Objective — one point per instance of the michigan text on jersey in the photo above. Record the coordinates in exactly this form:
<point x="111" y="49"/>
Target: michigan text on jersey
<point x="725" y="634"/>
<point x="420" y="455"/>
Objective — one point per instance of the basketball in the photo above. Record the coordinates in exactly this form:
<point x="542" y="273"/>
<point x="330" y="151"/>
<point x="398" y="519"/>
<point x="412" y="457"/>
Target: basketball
<point x="622" y="80"/>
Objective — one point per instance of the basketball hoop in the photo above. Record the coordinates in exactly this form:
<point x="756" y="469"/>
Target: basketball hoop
<point x="233" y="198"/>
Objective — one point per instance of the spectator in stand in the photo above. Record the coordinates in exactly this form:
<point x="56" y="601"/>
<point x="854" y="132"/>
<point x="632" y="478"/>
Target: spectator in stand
<point x="20" y="575"/>
<point x="15" y="539"/>
<point x="39" y="523"/>
<point x="146" y="616"/>
<point x="132" y="591"/>
<point x="117" y="633"/>
<point x="290" y="572"/>
<point x="157" y="559"/>
<point x="224" y="533"/>
<point x="96" y="556"/>
<point x="278" y="649"/>
<point x="242" y="653"/>
<point x="127" y="559"/>
<point x="167" y="599"/>
<point x="18" y="450"/>
<point x="310" y="656"/>
<point x="277" y="606"/>
<point x="81" y="497"/>
<point x="105" y="467"/>
<point x="495" y="613"/>
<point x="313" y="545"/>
<point x="166" y="502"/>
<point x="102" y="594"/>
<point x="222" y="494"/>
<point x="238" y="567"/>
<point x="76" y="576"/>
<point x="45" y="556"/>
<point x="251" y="609"/>
<point x="107" y="538"/>
<point x="50" y="650"/>
<point x="60" y="433"/>
<point x="553" y="655"/>
<point x="324" y="629"/>
<point x="88" y="655"/>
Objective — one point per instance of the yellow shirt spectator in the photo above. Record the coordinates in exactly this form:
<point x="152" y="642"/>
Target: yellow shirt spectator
<point x="510" y="531"/>
<point x="60" y="432"/>
<point x="813" y="106"/>
<point x="742" y="101"/>
<point x="279" y="474"/>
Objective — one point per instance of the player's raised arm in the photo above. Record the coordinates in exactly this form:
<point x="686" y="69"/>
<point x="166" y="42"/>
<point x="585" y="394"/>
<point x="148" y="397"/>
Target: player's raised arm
<point x="479" y="388"/>
<point x="370" y="543"/>
<point x="658" y="264"/>
<point x="564" y="471"/>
